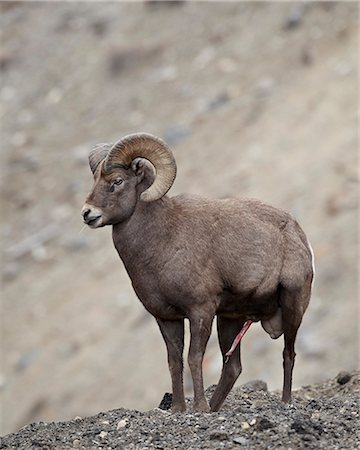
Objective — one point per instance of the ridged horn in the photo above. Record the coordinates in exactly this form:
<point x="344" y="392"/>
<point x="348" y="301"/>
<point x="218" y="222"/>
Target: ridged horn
<point x="144" y="145"/>
<point x="97" y="154"/>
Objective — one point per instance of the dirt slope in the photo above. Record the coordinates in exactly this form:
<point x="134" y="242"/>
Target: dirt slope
<point x="256" y="99"/>
<point x="323" y="416"/>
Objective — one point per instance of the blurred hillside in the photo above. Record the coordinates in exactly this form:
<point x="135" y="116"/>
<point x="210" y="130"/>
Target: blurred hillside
<point x="256" y="99"/>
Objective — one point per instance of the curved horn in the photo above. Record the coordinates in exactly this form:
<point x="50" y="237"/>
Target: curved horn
<point x="97" y="154"/>
<point x="144" y="145"/>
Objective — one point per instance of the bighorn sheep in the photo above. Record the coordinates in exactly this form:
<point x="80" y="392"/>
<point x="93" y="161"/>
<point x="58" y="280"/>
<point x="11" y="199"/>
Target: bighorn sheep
<point x="189" y="257"/>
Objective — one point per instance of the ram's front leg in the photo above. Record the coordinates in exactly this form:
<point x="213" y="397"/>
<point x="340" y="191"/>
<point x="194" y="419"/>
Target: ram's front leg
<point x="173" y="334"/>
<point x="200" y="330"/>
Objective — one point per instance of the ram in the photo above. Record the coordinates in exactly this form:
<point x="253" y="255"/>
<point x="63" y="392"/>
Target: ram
<point x="193" y="258"/>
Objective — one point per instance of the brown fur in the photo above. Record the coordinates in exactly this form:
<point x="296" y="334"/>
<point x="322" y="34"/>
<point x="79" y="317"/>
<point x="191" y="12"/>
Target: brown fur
<point x="194" y="258"/>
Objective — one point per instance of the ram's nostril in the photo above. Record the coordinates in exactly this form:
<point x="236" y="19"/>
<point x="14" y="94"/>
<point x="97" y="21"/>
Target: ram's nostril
<point x="86" y="212"/>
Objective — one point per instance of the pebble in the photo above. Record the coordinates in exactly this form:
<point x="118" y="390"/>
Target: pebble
<point x="219" y="435"/>
<point x="121" y="424"/>
<point x="263" y="423"/>
<point x="240" y="440"/>
<point x="245" y="425"/>
<point x="343" y="377"/>
<point x="103" y="434"/>
<point x="255" y="385"/>
<point x="166" y="401"/>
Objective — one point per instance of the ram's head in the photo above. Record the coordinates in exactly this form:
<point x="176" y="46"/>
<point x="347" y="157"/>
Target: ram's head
<point x="139" y="167"/>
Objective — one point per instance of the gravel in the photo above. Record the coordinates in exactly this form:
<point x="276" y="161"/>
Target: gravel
<point x="322" y="416"/>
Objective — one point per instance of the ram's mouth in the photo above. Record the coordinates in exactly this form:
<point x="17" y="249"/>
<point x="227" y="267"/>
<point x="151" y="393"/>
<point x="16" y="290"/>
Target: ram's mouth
<point x="94" y="222"/>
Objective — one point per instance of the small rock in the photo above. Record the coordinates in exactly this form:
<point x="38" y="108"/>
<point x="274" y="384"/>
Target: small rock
<point x="166" y="401"/>
<point x="343" y="377"/>
<point x="219" y="435"/>
<point x="121" y="424"/>
<point x="77" y="418"/>
<point x="263" y="423"/>
<point x="308" y="437"/>
<point x="245" y="425"/>
<point x="253" y="422"/>
<point x="103" y="434"/>
<point x="306" y="427"/>
<point x="210" y="390"/>
<point x="240" y="440"/>
<point x="76" y="443"/>
<point x="255" y="385"/>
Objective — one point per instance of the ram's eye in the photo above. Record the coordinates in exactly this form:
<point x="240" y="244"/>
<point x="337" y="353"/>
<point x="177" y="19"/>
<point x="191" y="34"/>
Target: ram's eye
<point x="116" y="182"/>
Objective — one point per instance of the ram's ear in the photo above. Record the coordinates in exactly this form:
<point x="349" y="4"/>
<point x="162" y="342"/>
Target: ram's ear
<point x="143" y="169"/>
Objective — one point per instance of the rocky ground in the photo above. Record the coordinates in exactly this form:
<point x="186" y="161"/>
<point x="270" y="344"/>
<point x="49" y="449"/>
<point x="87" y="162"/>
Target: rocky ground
<point x="256" y="99"/>
<point x="323" y="416"/>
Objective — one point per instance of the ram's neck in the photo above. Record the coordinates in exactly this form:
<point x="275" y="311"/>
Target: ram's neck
<point x="139" y="234"/>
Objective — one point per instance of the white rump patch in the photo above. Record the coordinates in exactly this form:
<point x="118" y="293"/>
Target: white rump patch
<point x="312" y="263"/>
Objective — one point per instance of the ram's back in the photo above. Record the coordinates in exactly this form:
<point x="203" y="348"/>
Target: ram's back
<point x="246" y="242"/>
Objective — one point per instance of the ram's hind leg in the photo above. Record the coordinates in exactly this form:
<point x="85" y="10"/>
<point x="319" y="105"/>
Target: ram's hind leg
<point x="227" y="330"/>
<point x="293" y="305"/>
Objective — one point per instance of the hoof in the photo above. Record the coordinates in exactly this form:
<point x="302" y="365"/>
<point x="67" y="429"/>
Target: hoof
<point x="202" y="407"/>
<point x="178" y="408"/>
